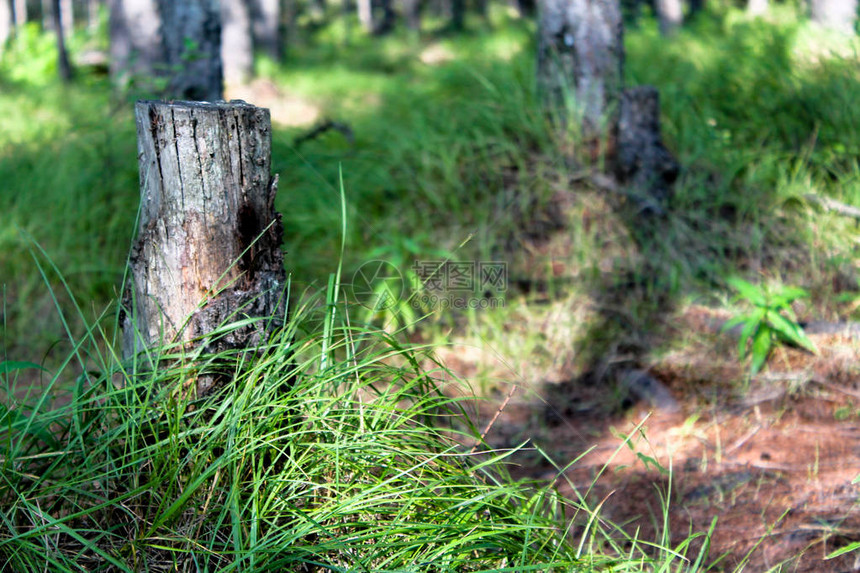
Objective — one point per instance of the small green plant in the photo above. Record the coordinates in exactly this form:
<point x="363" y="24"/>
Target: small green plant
<point x="770" y="321"/>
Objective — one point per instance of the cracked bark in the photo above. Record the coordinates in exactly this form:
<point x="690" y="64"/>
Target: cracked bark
<point x="208" y="246"/>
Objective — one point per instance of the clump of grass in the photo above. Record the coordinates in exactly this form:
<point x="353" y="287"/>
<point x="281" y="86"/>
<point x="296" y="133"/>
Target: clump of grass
<point x="329" y="448"/>
<point x="291" y="467"/>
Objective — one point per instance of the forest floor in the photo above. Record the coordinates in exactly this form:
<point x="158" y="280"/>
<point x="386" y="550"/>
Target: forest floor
<point x="773" y="463"/>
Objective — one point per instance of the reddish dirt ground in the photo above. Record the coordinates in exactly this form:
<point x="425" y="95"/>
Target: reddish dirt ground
<point x="774" y="462"/>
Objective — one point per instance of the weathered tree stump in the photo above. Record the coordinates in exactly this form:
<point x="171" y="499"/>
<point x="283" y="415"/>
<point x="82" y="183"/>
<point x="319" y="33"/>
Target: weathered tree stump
<point x="581" y="69"/>
<point x="581" y="62"/>
<point x="641" y="160"/>
<point x="208" y="245"/>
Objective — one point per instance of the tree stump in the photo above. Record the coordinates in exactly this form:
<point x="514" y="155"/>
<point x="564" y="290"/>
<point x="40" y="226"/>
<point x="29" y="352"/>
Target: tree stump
<point x="641" y="159"/>
<point x="581" y="62"/>
<point x="208" y="245"/>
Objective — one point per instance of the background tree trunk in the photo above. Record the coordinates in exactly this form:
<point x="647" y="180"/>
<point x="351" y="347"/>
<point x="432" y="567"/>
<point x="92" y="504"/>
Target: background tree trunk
<point x="642" y="161"/>
<point x="580" y="62"/>
<point x="237" y="50"/>
<point x="6" y="23"/>
<point x="839" y="15"/>
<point x="458" y="14"/>
<point x="756" y="7"/>
<point x="176" y="43"/>
<point x="67" y="17"/>
<point x="93" y="14"/>
<point x="266" y="15"/>
<point x="63" y="65"/>
<point x="208" y="245"/>
<point x="412" y="12"/>
<point x="365" y="14"/>
<point x="20" y="12"/>
<point x="670" y="15"/>
<point x="191" y="31"/>
<point x="136" y="45"/>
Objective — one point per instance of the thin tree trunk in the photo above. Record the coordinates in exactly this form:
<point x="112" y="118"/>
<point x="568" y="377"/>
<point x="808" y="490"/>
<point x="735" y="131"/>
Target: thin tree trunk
<point x="208" y="246"/>
<point x="266" y="18"/>
<point x="191" y="31"/>
<point x="93" y="14"/>
<point x="670" y="15"/>
<point x="412" y="10"/>
<point x="458" y="14"/>
<point x="6" y="22"/>
<point x="63" y="64"/>
<point x="136" y="44"/>
<point x="237" y="50"/>
<point x="365" y="14"/>
<point x="20" y="11"/>
<point x="67" y="17"/>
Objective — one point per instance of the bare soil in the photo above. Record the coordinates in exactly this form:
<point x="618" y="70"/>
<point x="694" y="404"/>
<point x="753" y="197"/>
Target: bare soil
<point x="773" y="462"/>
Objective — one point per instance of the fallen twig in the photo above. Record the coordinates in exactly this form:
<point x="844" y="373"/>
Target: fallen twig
<point x="833" y="205"/>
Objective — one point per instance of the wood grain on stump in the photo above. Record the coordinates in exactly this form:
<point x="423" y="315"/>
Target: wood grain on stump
<point x="208" y="246"/>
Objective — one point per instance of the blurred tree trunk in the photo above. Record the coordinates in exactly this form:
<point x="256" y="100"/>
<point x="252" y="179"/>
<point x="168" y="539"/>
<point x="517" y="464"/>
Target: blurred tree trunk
<point x="191" y="31"/>
<point x="670" y="15"/>
<point x="93" y="14"/>
<point x="266" y="16"/>
<point x="67" y="17"/>
<point x="756" y="7"/>
<point x="580" y="76"/>
<point x="580" y="63"/>
<point x="237" y="50"/>
<point x="176" y="44"/>
<point x="696" y="7"/>
<point x="19" y="8"/>
<point x="365" y="14"/>
<point x="457" y="9"/>
<point x="6" y="23"/>
<point x="136" y="46"/>
<point x="376" y="16"/>
<point x="208" y="246"/>
<point x="838" y="15"/>
<point x="525" y="8"/>
<point x="412" y="10"/>
<point x="63" y="64"/>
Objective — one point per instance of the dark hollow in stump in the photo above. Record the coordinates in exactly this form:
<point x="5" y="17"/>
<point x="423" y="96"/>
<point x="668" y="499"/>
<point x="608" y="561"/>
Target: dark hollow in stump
<point x="208" y="246"/>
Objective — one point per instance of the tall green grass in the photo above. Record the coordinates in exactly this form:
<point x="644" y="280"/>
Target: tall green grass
<point x="327" y="449"/>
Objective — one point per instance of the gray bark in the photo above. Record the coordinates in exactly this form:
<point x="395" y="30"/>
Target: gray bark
<point x="756" y="7"/>
<point x="192" y="41"/>
<point x="176" y="44"/>
<point x="208" y="245"/>
<point x="136" y="45"/>
<point x="642" y="162"/>
<point x="237" y="50"/>
<point x="63" y="65"/>
<point x="670" y="15"/>
<point x="365" y="14"/>
<point x="838" y="15"/>
<point x="266" y="15"/>
<point x="580" y="62"/>
<point x="376" y="16"/>
<point x="67" y="17"/>
<point x="5" y="23"/>
<point x="412" y="12"/>
<point x="20" y="11"/>
<point x="93" y="14"/>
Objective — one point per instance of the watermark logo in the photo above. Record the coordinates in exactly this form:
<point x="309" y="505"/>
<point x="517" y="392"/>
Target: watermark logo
<point x="460" y="284"/>
<point x="377" y="285"/>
